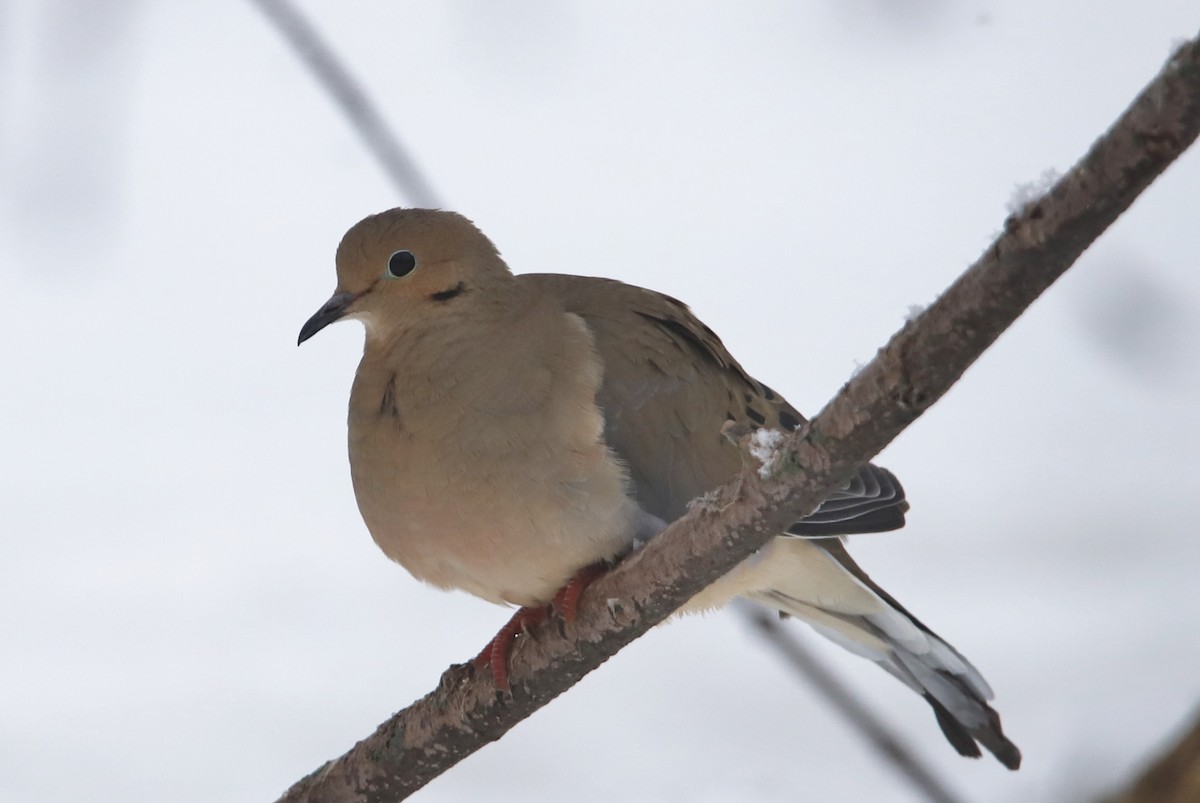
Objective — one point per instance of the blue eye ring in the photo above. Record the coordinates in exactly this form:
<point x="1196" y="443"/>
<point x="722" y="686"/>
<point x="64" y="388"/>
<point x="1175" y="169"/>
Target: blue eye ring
<point x="400" y="264"/>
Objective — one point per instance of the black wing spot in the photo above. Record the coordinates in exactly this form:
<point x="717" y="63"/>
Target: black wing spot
<point x="684" y="334"/>
<point x="755" y="416"/>
<point x="787" y="420"/>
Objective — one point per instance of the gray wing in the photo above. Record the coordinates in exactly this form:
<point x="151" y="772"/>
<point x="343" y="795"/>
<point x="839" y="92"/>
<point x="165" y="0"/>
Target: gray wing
<point x="669" y="385"/>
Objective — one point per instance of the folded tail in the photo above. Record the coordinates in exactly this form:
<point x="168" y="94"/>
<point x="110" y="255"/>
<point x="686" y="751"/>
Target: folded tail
<point x="826" y="589"/>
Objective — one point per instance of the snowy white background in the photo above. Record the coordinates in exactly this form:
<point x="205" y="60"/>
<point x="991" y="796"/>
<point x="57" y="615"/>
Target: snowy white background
<point x="190" y="606"/>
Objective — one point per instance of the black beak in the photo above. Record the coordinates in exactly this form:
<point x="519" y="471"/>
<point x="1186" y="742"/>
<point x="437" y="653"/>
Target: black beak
<point x="332" y="310"/>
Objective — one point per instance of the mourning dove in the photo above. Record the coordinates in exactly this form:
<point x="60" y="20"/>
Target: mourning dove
<point x="508" y="433"/>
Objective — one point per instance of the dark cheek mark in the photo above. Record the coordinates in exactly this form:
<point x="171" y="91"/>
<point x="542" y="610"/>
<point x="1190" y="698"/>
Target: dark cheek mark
<point x="446" y="295"/>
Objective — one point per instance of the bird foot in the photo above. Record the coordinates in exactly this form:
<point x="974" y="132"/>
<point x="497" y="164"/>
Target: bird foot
<point x="565" y="604"/>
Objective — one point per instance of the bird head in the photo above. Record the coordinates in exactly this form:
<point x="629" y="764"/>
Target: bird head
<point x="405" y="264"/>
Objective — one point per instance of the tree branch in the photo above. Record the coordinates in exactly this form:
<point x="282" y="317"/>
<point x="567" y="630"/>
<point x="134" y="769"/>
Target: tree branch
<point x="1174" y="777"/>
<point x="908" y="375"/>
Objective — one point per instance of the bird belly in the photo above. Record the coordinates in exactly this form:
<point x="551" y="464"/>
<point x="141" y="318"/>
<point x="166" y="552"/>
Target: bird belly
<point x="507" y="537"/>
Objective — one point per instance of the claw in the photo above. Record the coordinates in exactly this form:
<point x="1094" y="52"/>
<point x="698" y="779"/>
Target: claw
<point x="566" y="601"/>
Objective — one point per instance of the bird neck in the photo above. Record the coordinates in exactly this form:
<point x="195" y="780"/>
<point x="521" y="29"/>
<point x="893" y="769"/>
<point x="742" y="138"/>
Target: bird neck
<point x="453" y="356"/>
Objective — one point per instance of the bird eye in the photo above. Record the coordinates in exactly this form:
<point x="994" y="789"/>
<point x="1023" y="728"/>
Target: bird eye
<point x="401" y="264"/>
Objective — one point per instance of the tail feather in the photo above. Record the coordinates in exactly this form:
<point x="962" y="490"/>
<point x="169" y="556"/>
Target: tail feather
<point x="872" y="501"/>
<point x="958" y="736"/>
<point x="832" y="594"/>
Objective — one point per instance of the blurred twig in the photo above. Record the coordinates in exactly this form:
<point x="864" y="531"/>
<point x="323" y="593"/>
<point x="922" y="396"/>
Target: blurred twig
<point x="328" y="69"/>
<point x="886" y="741"/>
